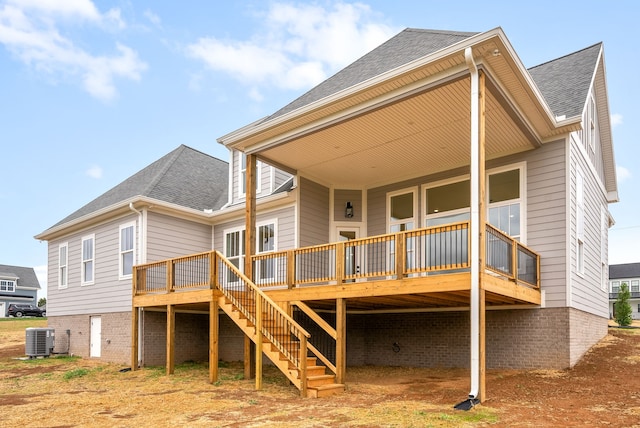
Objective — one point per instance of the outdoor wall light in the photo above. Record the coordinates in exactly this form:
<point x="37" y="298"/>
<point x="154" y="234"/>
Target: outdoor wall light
<point x="348" y="210"/>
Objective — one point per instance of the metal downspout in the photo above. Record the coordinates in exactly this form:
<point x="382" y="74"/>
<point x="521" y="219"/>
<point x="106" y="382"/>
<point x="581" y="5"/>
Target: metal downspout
<point x="474" y="227"/>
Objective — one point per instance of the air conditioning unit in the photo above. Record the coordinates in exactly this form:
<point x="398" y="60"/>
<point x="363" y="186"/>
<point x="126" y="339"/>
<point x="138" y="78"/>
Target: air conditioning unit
<point x="39" y="342"/>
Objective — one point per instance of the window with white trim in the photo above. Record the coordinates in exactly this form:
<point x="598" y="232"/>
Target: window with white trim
<point x="266" y="235"/>
<point x="615" y="286"/>
<point x="505" y="201"/>
<point x="401" y="216"/>
<point x="635" y="286"/>
<point x="234" y="250"/>
<point x="88" y="265"/>
<point x="127" y="250"/>
<point x="242" y="186"/>
<point x="63" y="272"/>
<point x="8" y="285"/>
<point x="580" y="235"/>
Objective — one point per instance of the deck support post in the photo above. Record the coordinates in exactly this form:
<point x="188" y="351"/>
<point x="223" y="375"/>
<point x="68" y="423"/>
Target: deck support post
<point x="477" y="229"/>
<point x="341" y="340"/>
<point x="171" y="337"/>
<point x="213" y="339"/>
<point x="250" y="216"/>
<point x="258" y="343"/>
<point x="249" y="361"/>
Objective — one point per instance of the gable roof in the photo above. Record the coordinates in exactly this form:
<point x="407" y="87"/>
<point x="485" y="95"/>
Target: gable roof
<point x="185" y="176"/>
<point x="26" y="276"/>
<point x="565" y="81"/>
<point x="627" y="270"/>
<point x="406" y="46"/>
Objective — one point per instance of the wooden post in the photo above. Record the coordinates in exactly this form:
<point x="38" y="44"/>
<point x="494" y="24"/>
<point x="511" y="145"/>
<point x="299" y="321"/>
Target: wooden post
<point x="134" y="338"/>
<point x="303" y="366"/>
<point x="340" y="263"/>
<point x="341" y="340"/>
<point x="213" y="340"/>
<point x="250" y="216"/>
<point x="400" y="255"/>
<point x="482" y="231"/>
<point x="258" y="342"/>
<point x="170" y="278"/>
<point x="291" y="269"/>
<point x="249" y="366"/>
<point x="171" y="337"/>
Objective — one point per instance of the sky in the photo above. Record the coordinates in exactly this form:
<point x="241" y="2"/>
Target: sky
<point x="92" y="92"/>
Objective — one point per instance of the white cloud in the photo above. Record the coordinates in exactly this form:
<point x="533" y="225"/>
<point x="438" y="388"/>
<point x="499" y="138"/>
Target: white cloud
<point x="616" y="119"/>
<point x="295" y="46"/>
<point x="153" y="18"/>
<point x="623" y="174"/>
<point x="94" y="171"/>
<point x="31" y="30"/>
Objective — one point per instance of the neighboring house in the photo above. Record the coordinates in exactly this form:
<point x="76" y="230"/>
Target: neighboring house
<point x="17" y="285"/>
<point x="351" y="211"/>
<point x="628" y="273"/>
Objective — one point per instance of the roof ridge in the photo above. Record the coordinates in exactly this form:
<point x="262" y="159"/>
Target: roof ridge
<point x="566" y="55"/>
<point x="447" y="32"/>
<point x="174" y="155"/>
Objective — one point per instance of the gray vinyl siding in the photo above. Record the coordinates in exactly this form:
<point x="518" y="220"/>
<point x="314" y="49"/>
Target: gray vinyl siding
<point x="285" y="233"/>
<point x="264" y="176"/>
<point x="314" y="213"/>
<point x="545" y="211"/>
<point x="586" y="289"/>
<point x="169" y="237"/>
<point x="340" y="199"/>
<point x="108" y="293"/>
<point x="279" y="177"/>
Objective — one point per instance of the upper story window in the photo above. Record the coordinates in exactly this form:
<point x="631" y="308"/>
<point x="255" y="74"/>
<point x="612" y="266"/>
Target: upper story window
<point x="127" y="250"/>
<point x="615" y="286"/>
<point x="505" y="201"/>
<point x="87" y="268"/>
<point x="265" y="269"/>
<point x="8" y="285"/>
<point x="447" y="203"/>
<point x="63" y="272"/>
<point x="635" y="286"/>
<point x="242" y="185"/>
<point x="402" y="210"/>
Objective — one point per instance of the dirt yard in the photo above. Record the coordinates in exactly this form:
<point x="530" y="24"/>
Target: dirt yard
<point x="602" y="390"/>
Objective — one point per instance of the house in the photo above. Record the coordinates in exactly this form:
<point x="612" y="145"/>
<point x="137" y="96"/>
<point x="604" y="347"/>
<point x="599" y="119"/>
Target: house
<point x="435" y="204"/>
<point x="17" y="285"/>
<point x="629" y="274"/>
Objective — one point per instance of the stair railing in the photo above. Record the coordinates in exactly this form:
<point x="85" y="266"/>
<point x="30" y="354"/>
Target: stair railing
<point x="274" y="323"/>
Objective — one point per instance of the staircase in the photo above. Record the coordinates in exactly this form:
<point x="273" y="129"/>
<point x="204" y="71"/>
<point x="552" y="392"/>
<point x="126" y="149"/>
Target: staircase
<point x="284" y="342"/>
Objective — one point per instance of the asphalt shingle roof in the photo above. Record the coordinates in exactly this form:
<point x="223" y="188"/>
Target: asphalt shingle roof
<point x="26" y="275"/>
<point x="185" y="177"/>
<point x="627" y="270"/>
<point x="565" y="81"/>
<point x="408" y="45"/>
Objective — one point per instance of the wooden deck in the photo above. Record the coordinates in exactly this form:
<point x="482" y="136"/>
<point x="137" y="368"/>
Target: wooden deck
<point x="418" y="270"/>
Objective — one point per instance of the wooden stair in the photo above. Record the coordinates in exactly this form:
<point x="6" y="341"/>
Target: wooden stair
<point x="319" y="383"/>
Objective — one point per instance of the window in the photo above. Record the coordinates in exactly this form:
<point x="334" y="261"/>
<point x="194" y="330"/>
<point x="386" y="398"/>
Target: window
<point x="8" y="285"/>
<point x="88" y="248"/>
<point x="127" y="247"/>
<point x="62" y="265"/>
<point x="242" y="186"/>
<point x="265" y="269"/>
<point x="402" y="211"/>
<point x="234" y="251"/>
<point x="635" y="286"/>
<point x="447" y="203"/>
<point x="505" y="201"/>
<point x="580" y="221"/>
<point x="615" y="286"/>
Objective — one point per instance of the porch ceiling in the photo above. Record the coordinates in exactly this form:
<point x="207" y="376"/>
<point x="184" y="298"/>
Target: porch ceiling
<point x="423" y="133"/>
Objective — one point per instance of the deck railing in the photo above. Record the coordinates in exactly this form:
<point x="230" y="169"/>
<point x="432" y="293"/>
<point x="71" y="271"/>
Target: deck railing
<point x="426" y="251"/>
<point x="213" y="270"/>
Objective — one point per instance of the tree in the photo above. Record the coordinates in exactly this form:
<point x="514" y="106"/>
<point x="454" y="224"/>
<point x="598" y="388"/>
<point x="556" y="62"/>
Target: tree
<point x="42" y="302"/>
<point x="622" y="307"/>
